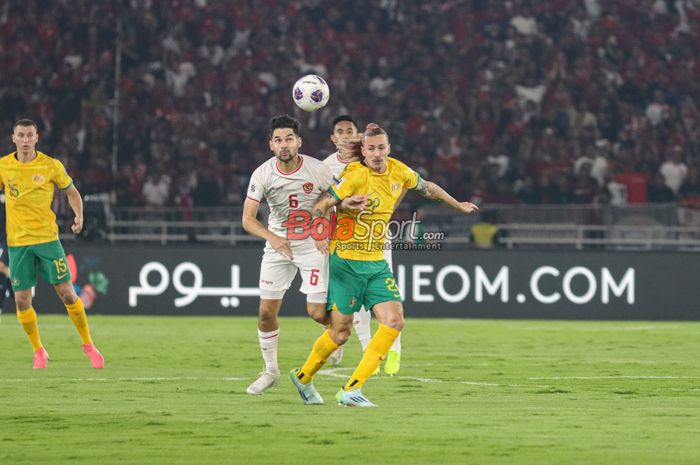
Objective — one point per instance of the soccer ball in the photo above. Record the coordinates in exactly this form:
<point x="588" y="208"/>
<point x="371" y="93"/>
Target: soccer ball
<point x="311" y="92"/>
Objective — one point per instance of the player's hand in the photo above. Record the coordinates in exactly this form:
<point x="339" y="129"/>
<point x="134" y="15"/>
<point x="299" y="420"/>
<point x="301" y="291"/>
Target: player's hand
<point x="349" y="148"/>
<point x="77" y="225"/>
<point x="322" y="246"/>
<point x="282" y="246"/>
<point x="354" y="202"/>
<point x="467" y="207"/>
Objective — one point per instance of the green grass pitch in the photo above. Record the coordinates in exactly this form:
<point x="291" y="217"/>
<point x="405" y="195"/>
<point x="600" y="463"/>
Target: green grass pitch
<point x="469" y="392"/>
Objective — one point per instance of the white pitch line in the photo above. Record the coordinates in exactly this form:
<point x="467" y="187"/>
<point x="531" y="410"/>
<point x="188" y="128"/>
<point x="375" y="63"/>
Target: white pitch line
<point x="331" y="372"/>
<point x="480" y="383"/>
<point x="421" y="380"/>
<point x="336" y="373"/>
<point x="160" y="378"/>
<point x="343" y="373"/>
<point x="563" y="378"/>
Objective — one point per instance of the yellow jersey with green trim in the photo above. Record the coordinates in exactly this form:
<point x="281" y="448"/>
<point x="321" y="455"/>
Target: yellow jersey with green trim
<point x="29" y="189"/>
<point x="361" y="235"/>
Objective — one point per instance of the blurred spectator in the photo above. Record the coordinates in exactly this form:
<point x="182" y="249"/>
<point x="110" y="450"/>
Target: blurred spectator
<point x="183" y="200"/>
<point x="635" y="185"/>
<point x="673" y="170"/>
<point x="156" y="190"/>
<point x="208" y="192"/>
<point x="561" y="192"/>
<point x="502" y="193"/>
<point x="524" y="22"/>
<point x="528" y="193"/>
<point x="585" y="187"/>
<point x="658" y="110"/>
<point x="658" y="191"/>
<point x="601" y="161"/>
<point x="614" y="192"/>
<point x="543" y="86"/>
<point x="691" y="186"/>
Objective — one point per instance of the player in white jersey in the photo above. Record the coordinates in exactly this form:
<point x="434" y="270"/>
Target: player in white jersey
<point x="344" y="130"/>
<point x="288" y="182"/>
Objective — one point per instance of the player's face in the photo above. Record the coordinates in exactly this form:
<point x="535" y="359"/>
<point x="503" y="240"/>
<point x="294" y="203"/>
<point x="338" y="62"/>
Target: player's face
<point x="376" y="150"/>
<point x="343" y="132"/>
<point x="25" y="138"/>
<point x="285" y="144"/>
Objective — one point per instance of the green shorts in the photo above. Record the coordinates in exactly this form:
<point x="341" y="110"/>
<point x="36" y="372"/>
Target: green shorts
<point x="354" y="283"/>
<point x="49" y="257"/>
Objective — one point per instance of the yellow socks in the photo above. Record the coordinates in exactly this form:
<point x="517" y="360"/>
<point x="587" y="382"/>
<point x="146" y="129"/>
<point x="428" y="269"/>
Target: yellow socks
<point x="322" y="349"/>
<point x="27" y="319"/>
<point x="76" y="312"/>
<point x="375" y="352"/>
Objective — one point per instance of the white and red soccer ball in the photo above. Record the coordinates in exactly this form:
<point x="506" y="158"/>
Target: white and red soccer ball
<point x="311" y="92"/>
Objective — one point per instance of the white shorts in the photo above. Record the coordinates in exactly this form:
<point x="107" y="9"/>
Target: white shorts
<point x="277" y="273"/>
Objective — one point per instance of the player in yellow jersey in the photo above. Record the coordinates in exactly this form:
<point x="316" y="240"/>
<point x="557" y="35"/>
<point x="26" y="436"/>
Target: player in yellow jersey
<point x="29" y="177"/>
<point x="345" y="130"/>
<point x="359" y="275"/>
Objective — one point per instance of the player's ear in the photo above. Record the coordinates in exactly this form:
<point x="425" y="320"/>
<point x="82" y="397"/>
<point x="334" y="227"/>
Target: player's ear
<point x="271" y="147"/>
<point x="334" y="139"/>
<point x="299" y="141"/>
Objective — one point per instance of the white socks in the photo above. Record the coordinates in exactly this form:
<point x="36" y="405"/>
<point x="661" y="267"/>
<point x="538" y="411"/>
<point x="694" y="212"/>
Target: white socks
<point x="361" y="321"/>
<point x="268" y="348"/>
<point x="396" y="346"/>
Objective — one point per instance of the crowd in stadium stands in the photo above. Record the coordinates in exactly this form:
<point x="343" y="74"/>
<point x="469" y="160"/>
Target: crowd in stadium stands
<point x="516" y="101"/>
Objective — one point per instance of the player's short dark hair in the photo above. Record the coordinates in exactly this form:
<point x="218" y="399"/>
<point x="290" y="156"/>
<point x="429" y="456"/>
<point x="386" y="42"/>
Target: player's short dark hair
<point x="284" y="121"/>
<point x="342" y="118"/>
<point x="24" y="122"/>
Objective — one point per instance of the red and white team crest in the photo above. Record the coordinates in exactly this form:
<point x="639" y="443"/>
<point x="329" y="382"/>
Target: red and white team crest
<point x="308" y="187"/>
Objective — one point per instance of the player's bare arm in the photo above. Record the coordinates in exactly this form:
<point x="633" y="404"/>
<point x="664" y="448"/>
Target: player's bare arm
<point x="354" y="203"/>
<point x="325" y="202"/>
<point x="432" y="191"/>
<point x="346" y="148"/>
<point x="76" y="204"/>
<point x="253" y="226"/>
